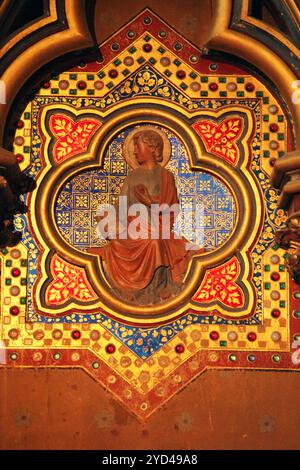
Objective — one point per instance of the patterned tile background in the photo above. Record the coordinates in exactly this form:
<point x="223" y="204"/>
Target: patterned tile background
<point x="78" y="201"/>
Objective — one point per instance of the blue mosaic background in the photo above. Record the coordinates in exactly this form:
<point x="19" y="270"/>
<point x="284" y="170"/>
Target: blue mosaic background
<point x="78" y="201"/>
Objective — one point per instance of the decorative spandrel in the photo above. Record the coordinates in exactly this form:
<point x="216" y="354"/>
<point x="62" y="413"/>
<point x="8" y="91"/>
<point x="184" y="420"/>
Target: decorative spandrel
<point x="224" y="129"/>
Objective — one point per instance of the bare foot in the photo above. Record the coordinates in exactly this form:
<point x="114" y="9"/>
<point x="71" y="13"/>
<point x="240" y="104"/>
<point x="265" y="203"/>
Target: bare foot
<point x="165" y="294"/>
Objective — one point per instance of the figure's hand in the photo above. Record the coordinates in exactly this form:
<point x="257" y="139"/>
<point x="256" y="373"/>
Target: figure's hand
<point x="142" y="194"/>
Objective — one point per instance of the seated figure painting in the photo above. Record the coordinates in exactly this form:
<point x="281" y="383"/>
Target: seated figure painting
<point x="144" y="261"/>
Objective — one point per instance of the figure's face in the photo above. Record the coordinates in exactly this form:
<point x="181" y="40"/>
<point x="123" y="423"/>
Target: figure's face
<point x="142" y="151"/>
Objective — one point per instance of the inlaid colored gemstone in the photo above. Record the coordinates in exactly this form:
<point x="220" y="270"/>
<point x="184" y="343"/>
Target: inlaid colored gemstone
<point x="63" y="84"/>
<point x="98" y="85"/>
<point x="19" y="140"/>
<point x="178" y="46"/>
<point x="273" y="109"/>
<point x="251" y="336"/>
<point x="14" y="290"/>
<point x="15" y="272"/>
<point x="128" y="61"/>
<point x="115" y="46"/>
<point x="275" y="295"/>
<point x="162" y="34"/>
<point x="113" y="73"/>
<point x="165" y="61"/>
<point x="273" y="145"/>
<point x="297" y="295"/>
<point x="131" y="34"/>
<point x="193" y="58"/>
<point x="14" y="310"/>
<point x="231" y="86"/>
<point x="274" y="127"/>
<point x="275" y="336"/>
<point x="147" y="47"/>
<point x="94" y="335"/>
<point x="214" y="335"/>
<point x="251" y="358"/>
<point x="276" y="358"/>
<point x="275" y="276"/>
<point x="232" y="336"/>
<point x="38" y="335"/>
<point x="213" y="67"/>
<point x="75" y="334"/>
<point x="81" y="85"/>
<point x="250" y="87"/>
<point x="20" y="124"/>
<point x="46" y="85"/>
<point x="20" y="158"/>
<point x="213" y="86"/>
<point x="15" y="253"/>
<point x="181" y="74"/>
<point x="110" y="348"/>
<point x="296" y="313"/>
<point x="276" y="313"/>
<point x="272" y="161"/>
<point x="13" y="333"/>
<point x="57" y="334"/>
<point x="179" y="348"/>
<point x="195" y="86"/>
<point x="147" y="20"/>
<point x="232" y="357"/>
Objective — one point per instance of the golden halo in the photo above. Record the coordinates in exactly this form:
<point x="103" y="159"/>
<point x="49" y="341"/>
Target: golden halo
<point x="128" y="146"/>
